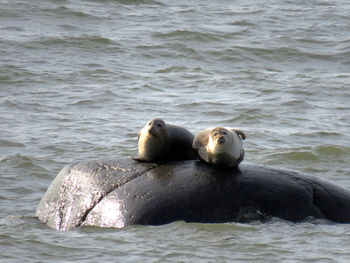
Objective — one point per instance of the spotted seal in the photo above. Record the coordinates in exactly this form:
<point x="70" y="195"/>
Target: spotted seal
<point x="159" y="141"/>
<point x="220" y="146"/>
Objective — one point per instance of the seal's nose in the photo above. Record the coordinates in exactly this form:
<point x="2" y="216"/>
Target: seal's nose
<point x="221" y="139"/>
<point x="150" y="130"/>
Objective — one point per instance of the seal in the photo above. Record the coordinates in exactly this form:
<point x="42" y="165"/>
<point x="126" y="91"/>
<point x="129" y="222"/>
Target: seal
<point x="158" y="141"/>
<point x="220" y="146"/>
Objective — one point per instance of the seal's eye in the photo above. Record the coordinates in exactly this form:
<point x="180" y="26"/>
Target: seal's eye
<point x="215" y="133"/>
<point x="149" y="124"/>
<point x="224" y="133"/>
<point x="159" y="125"/>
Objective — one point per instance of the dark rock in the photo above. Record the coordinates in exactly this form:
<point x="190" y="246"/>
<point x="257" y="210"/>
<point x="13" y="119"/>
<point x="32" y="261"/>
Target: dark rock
<point x="118" y="193"/>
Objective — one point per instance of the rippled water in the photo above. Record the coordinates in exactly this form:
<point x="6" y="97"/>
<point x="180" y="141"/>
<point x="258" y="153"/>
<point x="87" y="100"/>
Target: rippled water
<point x="78" y="79"/>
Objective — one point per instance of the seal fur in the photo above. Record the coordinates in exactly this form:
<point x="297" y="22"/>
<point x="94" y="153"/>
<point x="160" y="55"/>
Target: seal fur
<point x="159" y="141"/>
<point x="220" y="146"/>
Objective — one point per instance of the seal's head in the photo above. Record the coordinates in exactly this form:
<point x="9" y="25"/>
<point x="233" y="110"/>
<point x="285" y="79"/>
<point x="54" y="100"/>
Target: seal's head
<point x="220" y="139"/>
<point x="156" y="128"/>
<point x="220" y="146"/>
<point x="152" y="140"/>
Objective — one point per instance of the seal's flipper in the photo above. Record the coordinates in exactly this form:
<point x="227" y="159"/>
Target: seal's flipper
<point x="241" y="157"/>
<point x="201" y="139"/>
<point x="203" y="153"/>
<point x="137" y="159"/>
<point x="239" y="132"/>
<point x="138" y="136"/>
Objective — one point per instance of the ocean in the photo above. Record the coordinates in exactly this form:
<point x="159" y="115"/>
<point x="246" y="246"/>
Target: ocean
<point x="80" y="78"/>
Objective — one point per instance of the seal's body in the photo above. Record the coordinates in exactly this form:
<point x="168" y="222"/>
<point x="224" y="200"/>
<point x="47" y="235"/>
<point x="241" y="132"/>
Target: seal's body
<point x="158" y="141"/>
<point x="220" y="146"/>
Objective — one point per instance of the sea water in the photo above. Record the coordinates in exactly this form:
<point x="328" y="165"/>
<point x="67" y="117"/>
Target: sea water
<point x="79" y="79"/>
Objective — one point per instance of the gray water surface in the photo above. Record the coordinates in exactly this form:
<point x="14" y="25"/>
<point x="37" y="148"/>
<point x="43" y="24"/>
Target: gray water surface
<point x="78" y="79"/>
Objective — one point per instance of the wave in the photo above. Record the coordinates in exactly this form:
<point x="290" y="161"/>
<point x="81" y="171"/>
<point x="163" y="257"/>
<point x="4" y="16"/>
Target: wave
<point x="292" y="53"/>
<point x="131" y="2"/>
<point x="8" y="143"/>
<point x="13" y="74"/>
<point x="189" y="36"/>
<point x="182" y="69"/>
<point x="25" y="163"/>
<point x="319" y="153"/>
<point x="63" y="10"/>
<point x="79" y="41"/>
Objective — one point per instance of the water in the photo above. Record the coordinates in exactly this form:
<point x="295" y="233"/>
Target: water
<point x="78" y="79"/>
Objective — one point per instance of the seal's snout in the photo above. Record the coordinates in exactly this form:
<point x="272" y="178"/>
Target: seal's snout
<point x="221" y="140"/>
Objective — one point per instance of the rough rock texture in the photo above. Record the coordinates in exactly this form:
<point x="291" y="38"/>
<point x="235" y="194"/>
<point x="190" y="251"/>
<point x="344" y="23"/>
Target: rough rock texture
<point x="121" y="192"/>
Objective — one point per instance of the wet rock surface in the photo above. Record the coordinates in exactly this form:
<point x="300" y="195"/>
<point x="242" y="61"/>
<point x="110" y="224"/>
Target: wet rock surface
<point x="122" y="192"/>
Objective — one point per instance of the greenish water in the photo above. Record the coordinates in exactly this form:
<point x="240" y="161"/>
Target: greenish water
<point x="78" y="79"/>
